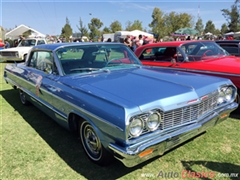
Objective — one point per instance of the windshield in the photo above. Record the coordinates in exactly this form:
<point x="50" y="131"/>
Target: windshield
<point x="27" y="43"/>
<point x="196" y="51"/>
<point x="94" y="57"/>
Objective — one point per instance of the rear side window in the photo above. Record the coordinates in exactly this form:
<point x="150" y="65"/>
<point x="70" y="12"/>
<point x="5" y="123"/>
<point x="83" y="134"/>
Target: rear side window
<point x="41" y="42"/>
<point x="164" y="54"/>
<point x="231" y="49"/>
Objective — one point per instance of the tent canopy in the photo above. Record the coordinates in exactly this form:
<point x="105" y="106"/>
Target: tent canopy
<point x="133" y="33"/>
<point x="208" y="34"/>
<point x="228" y="34"/>
<point x="138" y="32"/>
<point x="15" y="33"/>
<point x="189" y="31"/>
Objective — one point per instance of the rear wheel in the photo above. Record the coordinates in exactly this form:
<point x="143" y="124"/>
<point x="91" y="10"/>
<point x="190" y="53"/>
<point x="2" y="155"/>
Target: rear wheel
<point x="93" y="146"/>
<point x="23" y="98"/>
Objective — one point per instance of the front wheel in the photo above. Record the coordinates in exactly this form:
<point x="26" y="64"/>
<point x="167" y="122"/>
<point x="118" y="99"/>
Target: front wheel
<point x="93" y="146"/>
<point x="24" y="58"/>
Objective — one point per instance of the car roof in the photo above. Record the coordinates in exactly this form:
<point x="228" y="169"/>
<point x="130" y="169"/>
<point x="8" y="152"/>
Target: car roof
<point x="228" y="41"/>
<point x="55" y="46"/>
<point x="174" y="43"/>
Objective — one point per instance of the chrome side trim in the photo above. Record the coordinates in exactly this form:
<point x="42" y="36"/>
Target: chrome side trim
<point x="63" y="100"/>
<point x="36" y="98"/>
<point x="197" y="71"/>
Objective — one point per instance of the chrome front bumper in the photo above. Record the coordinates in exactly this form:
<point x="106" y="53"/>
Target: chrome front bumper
<point x="164" y="143"/>
<point x="10" y="58"/>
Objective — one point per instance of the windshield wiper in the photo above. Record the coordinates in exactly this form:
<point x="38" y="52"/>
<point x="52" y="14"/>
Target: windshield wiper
<point x="85" y="69"/>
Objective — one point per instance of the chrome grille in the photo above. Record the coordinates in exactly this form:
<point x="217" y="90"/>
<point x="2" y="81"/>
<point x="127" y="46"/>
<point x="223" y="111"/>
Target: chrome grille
<point x="187" y="114"/>
<point x="2" y="53"/>
<point x="184" y="115"/>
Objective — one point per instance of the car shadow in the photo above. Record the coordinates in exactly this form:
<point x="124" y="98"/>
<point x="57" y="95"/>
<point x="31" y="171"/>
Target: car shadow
<point x="223" y="169"/>
<point x="66" y="144"/>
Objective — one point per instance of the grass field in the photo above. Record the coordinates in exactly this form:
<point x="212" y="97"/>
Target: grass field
<point x="35" y="147"/>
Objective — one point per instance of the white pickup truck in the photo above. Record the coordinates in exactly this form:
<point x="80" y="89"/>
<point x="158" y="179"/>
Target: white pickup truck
<point x="19" y="53"/>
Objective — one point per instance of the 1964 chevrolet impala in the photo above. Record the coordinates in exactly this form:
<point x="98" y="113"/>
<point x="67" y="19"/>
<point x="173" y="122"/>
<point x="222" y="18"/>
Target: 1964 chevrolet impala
<point x="119" y="107"/>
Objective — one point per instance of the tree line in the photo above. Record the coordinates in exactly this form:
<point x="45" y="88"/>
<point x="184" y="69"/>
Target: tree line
<point x="162" y="24"/>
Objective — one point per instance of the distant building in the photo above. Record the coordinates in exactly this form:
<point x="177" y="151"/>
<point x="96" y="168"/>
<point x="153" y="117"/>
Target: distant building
<point x="76" y="35"/>
<point x="16" y="32"/>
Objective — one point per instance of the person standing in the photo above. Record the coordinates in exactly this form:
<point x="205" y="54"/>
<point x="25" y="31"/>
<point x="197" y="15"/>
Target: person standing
<point x="140" y="41"/>
<point x="109" y="40"/>
<point x="134" y="41"/>
<point x="7" y="44"/>
<point x="1" y="44"/>
<point x="20" y="39"/>
<point x="127" y="42"/>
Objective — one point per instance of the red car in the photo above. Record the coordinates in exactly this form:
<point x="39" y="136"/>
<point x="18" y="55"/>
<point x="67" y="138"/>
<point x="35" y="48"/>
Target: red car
<point x="205" y="57"/>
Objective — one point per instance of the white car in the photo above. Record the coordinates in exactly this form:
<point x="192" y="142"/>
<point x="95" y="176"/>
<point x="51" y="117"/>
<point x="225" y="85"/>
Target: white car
<point x="20" y="52"/>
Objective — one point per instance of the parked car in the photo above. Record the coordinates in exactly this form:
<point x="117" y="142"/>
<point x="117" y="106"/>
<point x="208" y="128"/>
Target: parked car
<point x="204" y="57"/>
<point x="19" y="53"/>
<point x="231" y="46"/>
<point x="119" y="107"/>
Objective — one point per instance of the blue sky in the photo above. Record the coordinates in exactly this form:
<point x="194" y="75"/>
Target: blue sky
<point x="49" y="16"/>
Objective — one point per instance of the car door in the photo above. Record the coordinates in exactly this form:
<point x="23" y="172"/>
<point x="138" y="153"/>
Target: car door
<point x="41" y="75"/>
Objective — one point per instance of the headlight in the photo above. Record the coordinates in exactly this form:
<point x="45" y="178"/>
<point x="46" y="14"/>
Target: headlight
<point x="229" y="94"/>
<point x="153" y="121"/>
<point x="136" y="127"/>
<point x="226" y="94"/>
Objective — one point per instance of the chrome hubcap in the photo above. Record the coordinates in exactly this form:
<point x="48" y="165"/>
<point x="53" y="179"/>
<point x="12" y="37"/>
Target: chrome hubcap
<point x="23" y="97"/>
<point x="92" y="141"/>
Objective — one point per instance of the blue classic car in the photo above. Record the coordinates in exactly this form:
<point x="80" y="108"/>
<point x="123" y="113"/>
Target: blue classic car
<point x="119" y="108"/>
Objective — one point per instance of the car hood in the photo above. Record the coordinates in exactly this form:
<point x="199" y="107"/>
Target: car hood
<point x="17" y="49"/>
<point x="144" y="86"/>
<point x="225" y="64"/>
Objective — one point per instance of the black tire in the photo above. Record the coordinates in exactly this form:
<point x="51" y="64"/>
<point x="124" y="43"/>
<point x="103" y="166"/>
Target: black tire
<point x="238" y="101"/>
<point x="93" y="146"/>
<point x="23" y="98"/>
<point x="24" y="58"/>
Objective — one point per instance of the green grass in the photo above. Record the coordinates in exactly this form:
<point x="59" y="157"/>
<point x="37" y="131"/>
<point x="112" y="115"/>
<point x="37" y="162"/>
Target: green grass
<point x="35" y="147"/>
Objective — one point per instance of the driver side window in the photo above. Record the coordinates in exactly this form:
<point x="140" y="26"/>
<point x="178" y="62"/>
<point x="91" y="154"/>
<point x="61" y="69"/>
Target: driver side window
<point x="43" y="61"/>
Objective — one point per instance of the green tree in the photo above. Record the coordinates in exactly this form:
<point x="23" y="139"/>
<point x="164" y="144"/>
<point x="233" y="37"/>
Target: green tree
<point x="217" y="32"/>
<point x="66" y="31"/>
<point x="199" y="26"/>
<point x="233" y="17"/>
<point x="106" y="30"/>
<point x="210" y="27"/>
<point x="158" y="23"/>
<point x="128" y="26"/>
<point x="136" y="25"/>
<point x="224" y="28"/>
<point x="171" y="22"/>
<point x="175" y="21"/>
<point x="115" y="26"/>
<point x="94" y="28"/>
<point x="83" y="30"/>
<point x="165" y="24"/>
